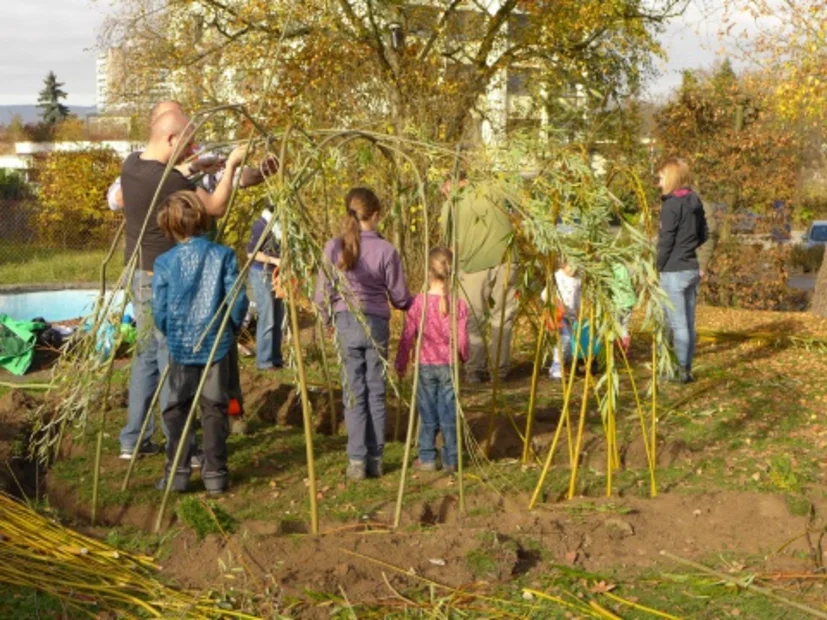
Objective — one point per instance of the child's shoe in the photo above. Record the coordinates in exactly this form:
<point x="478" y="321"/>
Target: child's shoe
<point x="374" y="467"/>
<point x="556" y="371"/>
<point x="420" y="465"/>
<point x="450" y="469"/>
<point x="238" y="425"/>
<point x="355" y="470"/>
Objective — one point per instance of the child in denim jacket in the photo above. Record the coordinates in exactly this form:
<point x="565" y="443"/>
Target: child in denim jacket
<point x="190" y="284"/>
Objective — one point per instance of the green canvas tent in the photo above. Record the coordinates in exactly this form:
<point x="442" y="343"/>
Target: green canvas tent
<point x="17" y="343"/>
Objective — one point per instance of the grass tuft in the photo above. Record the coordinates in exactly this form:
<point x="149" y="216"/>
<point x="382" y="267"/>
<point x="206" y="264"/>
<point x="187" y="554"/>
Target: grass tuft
<point x="205" y="517"/>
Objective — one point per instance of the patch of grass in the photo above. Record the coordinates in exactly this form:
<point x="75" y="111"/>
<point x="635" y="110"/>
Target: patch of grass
<point x="494" y="554"/>
<point x="18" y="602"/>
<point x="481" y="562"/>
<point x="24" y="264"/>
<point x="783" y="476"/>
<point x="137" y="541"/>
<point x="798" y="505"/>
<point x="205" y="517"/>
<point x="581" y="508"/>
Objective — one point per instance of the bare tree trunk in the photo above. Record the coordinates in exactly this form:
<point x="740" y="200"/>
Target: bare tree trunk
<point x="819" y="307"/>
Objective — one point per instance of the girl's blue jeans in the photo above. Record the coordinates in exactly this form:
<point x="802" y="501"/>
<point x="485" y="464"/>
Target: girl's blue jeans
<point x="437" y="410"/>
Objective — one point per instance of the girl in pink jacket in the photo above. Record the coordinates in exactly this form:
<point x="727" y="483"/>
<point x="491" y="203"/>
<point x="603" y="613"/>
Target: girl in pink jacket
<point x="435" y="392"/>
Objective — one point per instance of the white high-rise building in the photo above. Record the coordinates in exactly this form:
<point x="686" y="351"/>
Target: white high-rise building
<point x="102" y="81"/>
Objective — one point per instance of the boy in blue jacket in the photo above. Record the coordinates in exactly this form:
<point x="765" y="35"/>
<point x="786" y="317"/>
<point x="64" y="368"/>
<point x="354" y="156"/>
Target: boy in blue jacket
<point x="191" y="284"/>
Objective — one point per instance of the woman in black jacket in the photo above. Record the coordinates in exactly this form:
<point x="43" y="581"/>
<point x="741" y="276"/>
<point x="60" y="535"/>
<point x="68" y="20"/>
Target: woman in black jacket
<point x="683" y="229"/>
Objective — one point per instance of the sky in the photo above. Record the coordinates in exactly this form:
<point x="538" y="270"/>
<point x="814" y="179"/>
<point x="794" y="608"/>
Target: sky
<point x="65" y="38"/>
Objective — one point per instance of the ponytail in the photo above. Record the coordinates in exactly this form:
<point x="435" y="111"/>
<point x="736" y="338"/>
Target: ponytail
<point x="361" y="203"/>
<point x="439" y="266"/>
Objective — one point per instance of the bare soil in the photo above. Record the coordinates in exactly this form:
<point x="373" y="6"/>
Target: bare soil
<point x="435" y="542"/>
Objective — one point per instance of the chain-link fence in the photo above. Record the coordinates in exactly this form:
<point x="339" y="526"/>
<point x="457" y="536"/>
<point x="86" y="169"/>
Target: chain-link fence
<point x="39" y="248"/>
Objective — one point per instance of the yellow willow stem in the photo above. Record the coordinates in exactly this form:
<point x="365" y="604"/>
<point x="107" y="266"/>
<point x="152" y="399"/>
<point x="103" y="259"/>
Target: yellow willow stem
<point x="287" y="273"/>
<point x="583" y="406"/>
<point x="532" y="396"/>
<point x="747" y="585"/>
<point x="412" y="413"/>
<point x="564" y="414"/>
<point x="639" y="607"/>
<point x="573" y="372"/>
<point x="495" y="370"/>
<point x="610" y="438"/>
<point x="397" y="423"/>
<point x="653" y="487"/>
<point x="331" y="397"/>
<point x="150" y="413"/>
<point x="641" y="414"/>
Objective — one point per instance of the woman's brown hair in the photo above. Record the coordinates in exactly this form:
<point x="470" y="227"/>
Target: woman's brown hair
<point x="676" y="174"/>
<point x="440" y="264"/>
<point x="361" y="204"/>
<point x="183" y="216"/>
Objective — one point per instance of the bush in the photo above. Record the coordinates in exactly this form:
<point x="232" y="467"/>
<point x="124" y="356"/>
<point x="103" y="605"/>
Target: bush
<point x="72" y="191"/>
<point x="750" y="276"/>
<point x="12" y="185"/>
<point x="808" y="259"/>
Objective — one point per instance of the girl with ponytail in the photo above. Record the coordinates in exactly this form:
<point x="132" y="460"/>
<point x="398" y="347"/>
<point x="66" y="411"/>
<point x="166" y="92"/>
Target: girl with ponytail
<point x="435" y="392"/>
<point x="366" y="274"/>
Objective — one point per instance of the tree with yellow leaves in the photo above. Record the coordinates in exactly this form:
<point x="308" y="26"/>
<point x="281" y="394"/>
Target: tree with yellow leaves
<point x="422" y="67"/>
<point x="791" y="46"/>
<point x="72" y="195"/>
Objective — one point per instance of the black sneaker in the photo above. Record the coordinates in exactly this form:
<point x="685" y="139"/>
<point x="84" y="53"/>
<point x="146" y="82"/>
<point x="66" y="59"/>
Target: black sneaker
<point x="373" y="467"/>
<point x="147" y="449"/>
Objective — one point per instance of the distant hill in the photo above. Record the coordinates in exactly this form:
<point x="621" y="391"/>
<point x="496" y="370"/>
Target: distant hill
<point x="31" y="113"/>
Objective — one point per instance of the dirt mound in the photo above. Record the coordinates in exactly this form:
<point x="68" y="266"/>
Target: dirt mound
<point x="438" y="543"/>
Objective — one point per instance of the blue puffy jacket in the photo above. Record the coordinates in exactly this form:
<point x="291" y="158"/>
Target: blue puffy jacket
<point x="189" y="285"/>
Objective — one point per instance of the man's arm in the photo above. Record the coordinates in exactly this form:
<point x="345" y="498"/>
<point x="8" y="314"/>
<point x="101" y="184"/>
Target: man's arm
<point x="406" y="341"/>
<point x="251" y="177"/>
<point x="216" y="203"/>
<point x="395" y="282"/>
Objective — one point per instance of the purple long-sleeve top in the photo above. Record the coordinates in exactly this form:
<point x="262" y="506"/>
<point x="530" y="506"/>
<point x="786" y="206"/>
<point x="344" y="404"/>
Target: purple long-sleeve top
<point x="376" y="279"/>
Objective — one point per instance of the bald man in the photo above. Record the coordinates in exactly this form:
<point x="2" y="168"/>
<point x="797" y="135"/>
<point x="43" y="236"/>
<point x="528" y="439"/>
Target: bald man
<point x="142" y="176"/>
<point x="211" y="166"/>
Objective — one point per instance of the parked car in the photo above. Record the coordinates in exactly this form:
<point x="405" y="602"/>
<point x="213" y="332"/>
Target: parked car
<point x="744" y="222"/>
<point x="816" y="234"/>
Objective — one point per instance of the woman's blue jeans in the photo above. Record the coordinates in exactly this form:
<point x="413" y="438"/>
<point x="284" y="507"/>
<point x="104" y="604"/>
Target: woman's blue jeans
<point x="437" y="411"/>
<point x="269" y="322"/>
<point x="682" y="289"/>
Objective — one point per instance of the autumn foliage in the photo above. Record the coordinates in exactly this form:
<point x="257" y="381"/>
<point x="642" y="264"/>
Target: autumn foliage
<point x="743" y="155"/>
<point x="72" y="188"/>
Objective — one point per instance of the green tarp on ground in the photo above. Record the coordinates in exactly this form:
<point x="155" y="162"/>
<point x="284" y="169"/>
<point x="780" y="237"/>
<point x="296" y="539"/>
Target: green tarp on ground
<point x="17" y="343"/>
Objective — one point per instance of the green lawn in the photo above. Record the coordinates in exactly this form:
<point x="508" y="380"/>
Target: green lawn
<point x="27" y="264"/>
